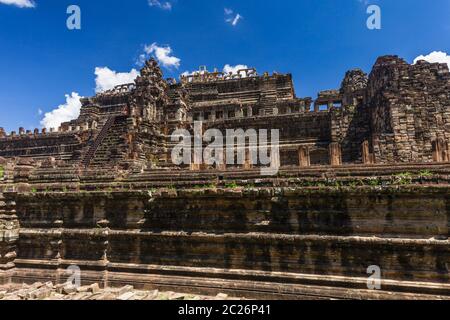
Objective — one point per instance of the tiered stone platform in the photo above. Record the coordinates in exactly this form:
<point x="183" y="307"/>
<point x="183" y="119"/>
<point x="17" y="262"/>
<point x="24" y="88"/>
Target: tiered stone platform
<point x="363" y="181"/>
<point x="303" y="234"/>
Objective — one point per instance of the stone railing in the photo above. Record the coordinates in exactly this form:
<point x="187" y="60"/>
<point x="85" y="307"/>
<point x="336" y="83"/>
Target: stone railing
<point x="36" y="133"/>
<point x="205" y="76"/>
<point x="118" y="90"/>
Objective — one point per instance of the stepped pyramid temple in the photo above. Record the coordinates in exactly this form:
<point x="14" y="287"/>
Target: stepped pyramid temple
<point x="362" y="185"/>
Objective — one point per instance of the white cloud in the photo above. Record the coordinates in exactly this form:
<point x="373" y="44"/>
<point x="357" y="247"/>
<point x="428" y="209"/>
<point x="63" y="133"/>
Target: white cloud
<point x="234" y="69"/>
<point x="232" y="18"/>
<point x="228" y="11"/>
<point x="40" y="112"/>
<point x="19" y="3"/>
<point x="165" y="5"/>
<point x="162" y="54"/>
<point x="435" y="56"/>
<point x="107" y="79"/>
<point x="64" y="112"/>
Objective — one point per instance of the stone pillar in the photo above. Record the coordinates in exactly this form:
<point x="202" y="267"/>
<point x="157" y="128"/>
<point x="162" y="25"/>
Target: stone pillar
<point x="275" y="158"/>
<point x="9" y="234"/>
<point x="104" y="231"/>
<point x="197" y="151"/>
<point x="303" y="157"/>
<point x="367" y="158"/>
<point x="436" y="152"/>
<point x="248" y="164"/>
<point x="56" y="247"/>
<point x="306" y="106"/>
<point x="440" y="151"/>
<point x="335" y="154"/>
<point x="194" y="166"/>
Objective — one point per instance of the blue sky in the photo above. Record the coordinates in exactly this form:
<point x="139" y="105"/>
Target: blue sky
<point x="316" y="40"/>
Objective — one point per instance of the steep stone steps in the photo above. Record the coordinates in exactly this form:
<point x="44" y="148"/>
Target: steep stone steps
<point x="111" y="149"/>
<point x="97" y="142"/>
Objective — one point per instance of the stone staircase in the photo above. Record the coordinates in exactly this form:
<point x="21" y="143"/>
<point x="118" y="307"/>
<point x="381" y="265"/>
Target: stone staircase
<point x="90" y="153"/>
<point x="111" y="148"/>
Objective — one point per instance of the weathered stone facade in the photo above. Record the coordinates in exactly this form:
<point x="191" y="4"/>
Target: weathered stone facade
<point x="9" y="226"/>
<point x="306" y="233"/>
<point x="364" y="180"/>
<point x="397" y="114"/>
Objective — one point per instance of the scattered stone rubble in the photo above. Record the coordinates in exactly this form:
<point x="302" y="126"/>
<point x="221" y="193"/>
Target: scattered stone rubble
<point x="66" y="291"/>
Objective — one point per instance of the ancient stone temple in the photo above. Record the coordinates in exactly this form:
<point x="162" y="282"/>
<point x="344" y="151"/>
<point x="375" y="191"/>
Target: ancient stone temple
<point x="363" y="181"/>
<point x="397" y="114"/>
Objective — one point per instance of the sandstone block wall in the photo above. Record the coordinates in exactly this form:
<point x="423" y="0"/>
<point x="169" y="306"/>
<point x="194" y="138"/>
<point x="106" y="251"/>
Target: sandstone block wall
<point x="278" y="230"/>
<point x="410" y="107"/>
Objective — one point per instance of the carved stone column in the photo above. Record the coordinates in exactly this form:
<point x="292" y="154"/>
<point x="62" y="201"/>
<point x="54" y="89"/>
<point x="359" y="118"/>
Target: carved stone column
<point x="248" y="163"/>
<point x="335" y="154"/>
<point x="367" y="157"/>
<point x="303" y="157"/>
<point x="195" y="165"/>
<point x="440" y="150"/>
<point x="104" y="234"/>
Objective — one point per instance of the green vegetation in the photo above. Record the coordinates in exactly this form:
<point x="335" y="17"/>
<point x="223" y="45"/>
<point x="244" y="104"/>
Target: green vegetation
<point x="205" y="186"/>
<point x="374" y="181"/>
<point x="425" y="174"/>
<point x="2" y="172"/>
<point x="403" y="178"/>
<point x="353" y="184"/>
<point x="231" y="185"/>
